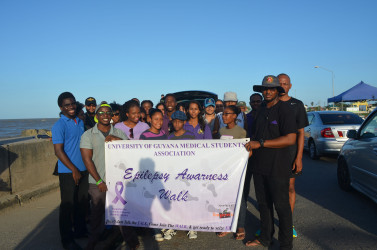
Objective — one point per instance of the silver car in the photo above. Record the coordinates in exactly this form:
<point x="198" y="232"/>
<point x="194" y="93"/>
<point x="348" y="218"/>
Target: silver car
<point x="357" y="161"/>
<point x="327" y="131"/>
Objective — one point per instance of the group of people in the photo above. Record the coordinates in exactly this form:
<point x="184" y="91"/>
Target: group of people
<point x="274" y="125"/>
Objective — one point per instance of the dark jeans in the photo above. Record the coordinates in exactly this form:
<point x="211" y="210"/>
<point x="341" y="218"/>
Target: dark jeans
<point x="73" y="206"/>
<point x="245" y="195"/>
<point x="242" y="214"/>
<point x="246" y="187"/>
<point x="97" y="219"/>
<point x="273" y="191"/>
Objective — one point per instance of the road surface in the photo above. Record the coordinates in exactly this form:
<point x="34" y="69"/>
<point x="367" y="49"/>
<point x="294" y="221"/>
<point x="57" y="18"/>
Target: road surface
<point x="325" y="218"/>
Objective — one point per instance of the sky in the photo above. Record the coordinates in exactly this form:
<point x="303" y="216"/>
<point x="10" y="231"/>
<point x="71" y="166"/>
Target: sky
<point x="117" y="50"/>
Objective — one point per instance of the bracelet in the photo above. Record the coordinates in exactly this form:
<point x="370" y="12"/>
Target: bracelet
<point x="99" y="182"/>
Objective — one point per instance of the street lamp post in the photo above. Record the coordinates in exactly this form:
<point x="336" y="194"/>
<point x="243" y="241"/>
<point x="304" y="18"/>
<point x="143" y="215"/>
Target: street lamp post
<point x="332" y="79"/>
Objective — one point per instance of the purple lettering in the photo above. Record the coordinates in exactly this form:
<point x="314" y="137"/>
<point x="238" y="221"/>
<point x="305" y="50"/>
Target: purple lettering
<point x="128" y="175"/>
<point x="167" y="195"/>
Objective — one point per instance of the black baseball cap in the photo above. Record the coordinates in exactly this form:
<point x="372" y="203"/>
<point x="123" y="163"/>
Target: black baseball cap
<point x="90" y="100"/>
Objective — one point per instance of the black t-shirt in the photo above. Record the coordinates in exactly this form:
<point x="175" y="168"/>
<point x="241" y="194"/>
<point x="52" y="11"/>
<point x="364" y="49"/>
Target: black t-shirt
<point x="89" y="121"/>
<point x="301" y="118"/>
<point x="271" y="123"/>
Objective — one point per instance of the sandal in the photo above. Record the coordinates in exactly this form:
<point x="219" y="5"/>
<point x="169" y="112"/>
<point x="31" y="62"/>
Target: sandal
<point x="222" y="234"/>
<point x="254" y="243"/>
<point x="240" y="234"/>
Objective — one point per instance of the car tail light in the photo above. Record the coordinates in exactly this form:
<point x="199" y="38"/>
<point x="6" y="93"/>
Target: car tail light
<point x="327" y="133"/>
<point x="340" y="133"/>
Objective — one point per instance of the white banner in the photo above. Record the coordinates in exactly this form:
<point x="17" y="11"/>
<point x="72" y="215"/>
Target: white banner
<point x="184" y="185"/>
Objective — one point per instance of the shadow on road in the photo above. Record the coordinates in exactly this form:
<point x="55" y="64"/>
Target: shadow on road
<point x="45" y="234"/>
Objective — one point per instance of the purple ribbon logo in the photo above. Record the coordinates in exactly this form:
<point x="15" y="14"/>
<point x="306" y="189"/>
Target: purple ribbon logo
<point x="119" y="193"/>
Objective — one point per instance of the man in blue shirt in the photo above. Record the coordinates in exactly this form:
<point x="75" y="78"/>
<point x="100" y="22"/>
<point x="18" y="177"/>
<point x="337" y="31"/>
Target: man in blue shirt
<point x="73" y="177"/>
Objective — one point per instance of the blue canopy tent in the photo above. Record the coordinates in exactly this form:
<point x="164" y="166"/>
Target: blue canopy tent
<point x="359" y="92"/>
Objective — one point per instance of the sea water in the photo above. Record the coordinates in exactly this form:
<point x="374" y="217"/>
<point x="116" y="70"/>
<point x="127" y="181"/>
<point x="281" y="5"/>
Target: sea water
<point x="13" y="127"/>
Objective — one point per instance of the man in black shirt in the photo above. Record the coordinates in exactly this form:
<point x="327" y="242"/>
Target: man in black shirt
<point x="273" y="131"/>
<point x="90" y="106"/>
<point x="297" y="149"/>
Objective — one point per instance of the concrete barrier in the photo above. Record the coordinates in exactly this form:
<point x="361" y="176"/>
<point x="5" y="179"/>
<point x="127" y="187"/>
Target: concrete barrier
<point x="4" y="170"/>
<point x="26" y="164"/>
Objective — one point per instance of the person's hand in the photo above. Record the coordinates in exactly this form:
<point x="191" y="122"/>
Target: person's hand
<point x="102" y="187"/>
<point x="297" y="165"/>
<point x="76" y="176"/>
<point x="250" y="153"/>
<point x="252" y="145"/>
<point x="112" y="138"/>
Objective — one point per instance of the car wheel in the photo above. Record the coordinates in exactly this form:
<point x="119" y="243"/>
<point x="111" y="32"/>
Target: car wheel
<point x="344" y="180"/>
<point x="313" y="151"/>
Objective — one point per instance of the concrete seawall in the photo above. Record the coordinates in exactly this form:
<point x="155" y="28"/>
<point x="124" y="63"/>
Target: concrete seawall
<point x="25" y="169"/>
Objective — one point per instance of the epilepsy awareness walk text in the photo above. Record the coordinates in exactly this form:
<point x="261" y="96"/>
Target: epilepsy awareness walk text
<point x="184" y="175"/>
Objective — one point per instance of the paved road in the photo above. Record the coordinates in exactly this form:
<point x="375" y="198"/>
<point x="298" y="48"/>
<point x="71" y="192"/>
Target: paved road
<point x="325" y="218"/>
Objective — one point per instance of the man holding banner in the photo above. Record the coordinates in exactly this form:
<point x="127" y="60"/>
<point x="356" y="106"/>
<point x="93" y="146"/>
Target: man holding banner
<point x="92" y="148"/>
<point x="273" y="131"/>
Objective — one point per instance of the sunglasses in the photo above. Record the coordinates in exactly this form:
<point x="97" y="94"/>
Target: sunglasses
<point x="101" y="113"/>
<point x="258" y="101"/>
<point x="228" y="113"/>
<point x="219" y="105"/>
<point x="115" y="114"/>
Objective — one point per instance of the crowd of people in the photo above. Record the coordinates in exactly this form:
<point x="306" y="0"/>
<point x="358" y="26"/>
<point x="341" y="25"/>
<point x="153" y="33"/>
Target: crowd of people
<point x="274" y="125"/>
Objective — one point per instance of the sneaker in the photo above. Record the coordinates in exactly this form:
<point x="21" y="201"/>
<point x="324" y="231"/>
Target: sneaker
<point x="294" y="232"/>
<point x="168" y="234"/>
<point x="158" y="237"/>
<point x="192" y="235"/>
<point x="257" y="233"/>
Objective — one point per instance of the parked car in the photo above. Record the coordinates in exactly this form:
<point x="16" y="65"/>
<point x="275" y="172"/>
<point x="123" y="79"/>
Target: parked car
<point x="357" y="161"/>
<point x="187" y="96"/>
<point x="327" y="131"/>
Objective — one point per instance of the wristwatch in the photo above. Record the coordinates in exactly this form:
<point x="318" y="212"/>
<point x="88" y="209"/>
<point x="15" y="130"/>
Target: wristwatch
<point x="261" y="142"/>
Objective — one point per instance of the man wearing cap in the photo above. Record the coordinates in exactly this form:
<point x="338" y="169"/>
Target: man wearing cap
<point x="92" y="148"/>
<point x="209" y="115"/>
<point x="242" y="106"/>
<point x="90" y="106"/>
<point x="178" y="120"/>
<point x="273" y="131"/>
<point x="73" y="177"/>
<point x="297" y="149"/>
<point x="230" y="98"/>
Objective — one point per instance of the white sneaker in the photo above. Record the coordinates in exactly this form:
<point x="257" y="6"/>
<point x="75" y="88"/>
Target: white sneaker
<point x="168" y="234"/>
<point x="158" y="237"/>
<point x="192" y="235"/>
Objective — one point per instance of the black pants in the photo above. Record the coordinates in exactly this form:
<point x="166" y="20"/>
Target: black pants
<point x="246" y="187"/>
<point x="245" y="194"/>
<point x="73" y="206"/>
<point x="97" y="220"/>
<point x="274" y="191"/>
